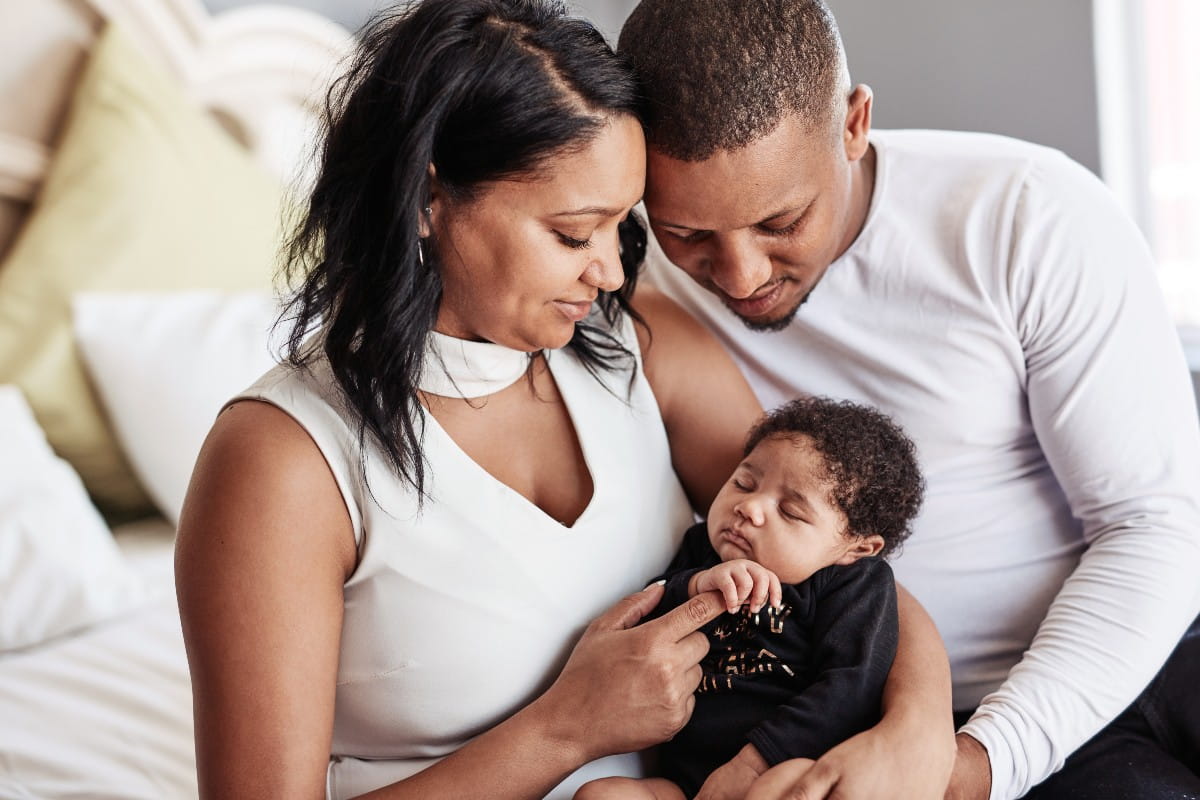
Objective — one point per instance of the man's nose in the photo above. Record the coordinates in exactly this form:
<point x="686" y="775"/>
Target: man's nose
<point x="739" y="267"/>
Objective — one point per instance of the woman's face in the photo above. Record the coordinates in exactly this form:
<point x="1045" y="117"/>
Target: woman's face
<point x="524" y="260"/>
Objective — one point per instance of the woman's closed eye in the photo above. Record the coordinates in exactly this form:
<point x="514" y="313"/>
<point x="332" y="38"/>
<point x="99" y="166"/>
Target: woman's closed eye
<point x="572" y="242"/>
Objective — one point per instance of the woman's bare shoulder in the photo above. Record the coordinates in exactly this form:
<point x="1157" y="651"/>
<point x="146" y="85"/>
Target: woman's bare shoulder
<point x="259" y="472"/>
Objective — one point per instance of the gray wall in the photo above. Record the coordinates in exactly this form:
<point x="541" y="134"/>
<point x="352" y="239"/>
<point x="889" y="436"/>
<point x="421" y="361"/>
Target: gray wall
<point x="1019" y="67"/>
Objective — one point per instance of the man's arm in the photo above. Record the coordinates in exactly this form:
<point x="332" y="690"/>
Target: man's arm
<point x="909" y="754"/>
<point x="854" y="633"/>
<point x="1112" y="406"/>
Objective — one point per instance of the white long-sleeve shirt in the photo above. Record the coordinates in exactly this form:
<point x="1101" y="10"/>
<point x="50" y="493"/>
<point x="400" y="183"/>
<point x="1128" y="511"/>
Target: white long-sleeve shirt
<point x="1000" y="307"/>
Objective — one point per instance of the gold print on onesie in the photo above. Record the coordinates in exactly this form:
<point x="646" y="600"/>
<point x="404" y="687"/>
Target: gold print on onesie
<point x="734" y="651"/>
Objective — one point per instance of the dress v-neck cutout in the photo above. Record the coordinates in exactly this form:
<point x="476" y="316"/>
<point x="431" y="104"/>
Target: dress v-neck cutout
<point x="565" y="391"/>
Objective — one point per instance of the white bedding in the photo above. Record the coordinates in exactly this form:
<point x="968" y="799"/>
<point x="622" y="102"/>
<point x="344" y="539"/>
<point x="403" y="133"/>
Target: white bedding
<point x="106" y="713"/>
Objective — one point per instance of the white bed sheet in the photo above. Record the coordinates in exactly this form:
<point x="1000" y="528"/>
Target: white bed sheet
<point x="105" y="713"/>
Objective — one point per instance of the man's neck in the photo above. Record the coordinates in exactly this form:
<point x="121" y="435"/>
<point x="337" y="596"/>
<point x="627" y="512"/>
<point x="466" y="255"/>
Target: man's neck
<point x="862" y="192"/>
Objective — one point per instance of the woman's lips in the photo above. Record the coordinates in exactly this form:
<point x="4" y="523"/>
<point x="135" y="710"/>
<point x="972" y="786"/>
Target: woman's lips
<point x="574" y="310"/>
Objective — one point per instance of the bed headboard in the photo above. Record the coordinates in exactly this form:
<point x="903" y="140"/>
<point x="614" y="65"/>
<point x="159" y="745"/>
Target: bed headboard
<point x="259" y="70"/>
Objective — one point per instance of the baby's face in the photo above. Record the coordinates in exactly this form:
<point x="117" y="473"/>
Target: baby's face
<point x="775" y="509"/>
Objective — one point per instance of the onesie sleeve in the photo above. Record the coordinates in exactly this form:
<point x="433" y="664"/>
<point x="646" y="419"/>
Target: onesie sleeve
<point x="1113" y="409"/>
<point x="695" y="553"/>
<point x="854" y="633"/>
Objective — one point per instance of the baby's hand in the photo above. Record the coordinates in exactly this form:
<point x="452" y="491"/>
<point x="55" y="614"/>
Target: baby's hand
<point x="740" y="581"/>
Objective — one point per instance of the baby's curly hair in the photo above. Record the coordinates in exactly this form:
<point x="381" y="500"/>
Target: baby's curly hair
<point x="870" y="463"/>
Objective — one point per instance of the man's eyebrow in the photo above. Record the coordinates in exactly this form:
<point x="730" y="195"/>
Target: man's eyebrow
<point x="787" y="212"/>
<point x="665" y="224"/>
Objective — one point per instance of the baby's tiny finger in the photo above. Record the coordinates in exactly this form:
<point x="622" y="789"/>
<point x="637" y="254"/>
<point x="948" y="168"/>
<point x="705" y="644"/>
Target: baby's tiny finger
<point x="745" y="583"/>
<point x="758" y="597"/>
<point x="729" y="589"/>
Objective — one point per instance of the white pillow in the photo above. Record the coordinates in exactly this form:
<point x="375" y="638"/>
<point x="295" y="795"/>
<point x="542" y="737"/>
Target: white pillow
<point x="60" y="569"/>
<point x="164" y="363"/>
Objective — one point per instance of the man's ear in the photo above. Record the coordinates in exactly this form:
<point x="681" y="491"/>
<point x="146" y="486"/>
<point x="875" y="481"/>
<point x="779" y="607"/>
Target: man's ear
<point x="862" y="547"/>
<point x="856" y="134"/>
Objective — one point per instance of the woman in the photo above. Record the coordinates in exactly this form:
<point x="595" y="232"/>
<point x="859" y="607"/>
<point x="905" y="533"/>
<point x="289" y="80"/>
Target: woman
<point x="392" y="541"/>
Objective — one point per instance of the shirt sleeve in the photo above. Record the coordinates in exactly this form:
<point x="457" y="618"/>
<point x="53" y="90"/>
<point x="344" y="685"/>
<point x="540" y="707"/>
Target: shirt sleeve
<point x="854" y="633"/>
<point x="1112" y="406"/>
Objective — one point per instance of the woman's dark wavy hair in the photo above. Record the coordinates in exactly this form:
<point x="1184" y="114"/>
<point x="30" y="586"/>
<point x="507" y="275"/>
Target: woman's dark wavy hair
<point x="483" y="90"/>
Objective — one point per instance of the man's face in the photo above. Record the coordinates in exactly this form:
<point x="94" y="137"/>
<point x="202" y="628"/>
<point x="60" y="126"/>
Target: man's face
<point x="759" y="226"/>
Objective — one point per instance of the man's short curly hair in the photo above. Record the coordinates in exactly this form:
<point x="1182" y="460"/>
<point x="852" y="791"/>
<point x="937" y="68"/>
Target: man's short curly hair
<point x="870" y="464"/>
<point x="720" y="74"/>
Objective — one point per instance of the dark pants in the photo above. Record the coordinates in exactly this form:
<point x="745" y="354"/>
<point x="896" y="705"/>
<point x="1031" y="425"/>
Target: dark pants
<point x="1151" y="751"/>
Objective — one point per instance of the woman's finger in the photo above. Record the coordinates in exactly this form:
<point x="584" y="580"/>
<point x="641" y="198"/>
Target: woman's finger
<point x="630" y="610"/>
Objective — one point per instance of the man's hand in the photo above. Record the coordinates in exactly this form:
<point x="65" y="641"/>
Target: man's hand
<point x="732" y="780"/>
<point x="885" y="761"/>
<point x="972" y="776"/>
<point x="739" y="581"/>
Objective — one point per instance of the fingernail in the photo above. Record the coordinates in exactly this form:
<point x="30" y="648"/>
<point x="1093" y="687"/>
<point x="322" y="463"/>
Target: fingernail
<point x="662" y="582"/>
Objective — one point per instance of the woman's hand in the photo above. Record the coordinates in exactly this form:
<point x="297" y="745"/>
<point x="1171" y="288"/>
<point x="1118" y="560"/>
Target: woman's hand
<point x="739" y="581"/>
<point x="626" y="688"/>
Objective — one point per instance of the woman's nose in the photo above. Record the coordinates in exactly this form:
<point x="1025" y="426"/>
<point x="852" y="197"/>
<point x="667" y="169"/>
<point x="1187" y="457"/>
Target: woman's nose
<point x="604" y="270"/>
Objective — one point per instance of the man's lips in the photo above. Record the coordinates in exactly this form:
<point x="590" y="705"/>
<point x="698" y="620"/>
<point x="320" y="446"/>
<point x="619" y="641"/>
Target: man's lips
<point x="759" y="303"/>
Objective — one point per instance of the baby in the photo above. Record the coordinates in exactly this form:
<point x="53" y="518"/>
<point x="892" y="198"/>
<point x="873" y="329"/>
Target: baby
<point x="794" y="541"/>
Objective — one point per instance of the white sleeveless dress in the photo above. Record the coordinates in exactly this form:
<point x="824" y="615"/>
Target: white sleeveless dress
<point x="460" y="614"/>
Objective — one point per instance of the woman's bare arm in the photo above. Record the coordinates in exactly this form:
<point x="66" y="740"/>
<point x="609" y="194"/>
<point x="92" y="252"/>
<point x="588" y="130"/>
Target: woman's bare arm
<point x="265" y="546"/>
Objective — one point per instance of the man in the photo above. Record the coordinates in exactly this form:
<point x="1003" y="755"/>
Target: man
<point x="990" y="296"/>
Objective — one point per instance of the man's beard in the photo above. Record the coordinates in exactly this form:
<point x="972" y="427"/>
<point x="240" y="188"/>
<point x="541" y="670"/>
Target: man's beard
<point x="774" y="325"/>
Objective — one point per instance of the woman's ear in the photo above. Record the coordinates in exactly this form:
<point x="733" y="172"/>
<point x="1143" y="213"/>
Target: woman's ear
<point x="426" y="213"/>
<point x="862" y="547"/>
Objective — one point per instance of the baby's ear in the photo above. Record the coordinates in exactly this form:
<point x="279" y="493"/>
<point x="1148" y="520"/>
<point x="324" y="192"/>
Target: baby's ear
<point x="863" y="547"/>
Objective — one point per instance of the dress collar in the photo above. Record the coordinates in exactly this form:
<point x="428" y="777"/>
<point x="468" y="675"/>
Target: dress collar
<point x="460" y="368"/>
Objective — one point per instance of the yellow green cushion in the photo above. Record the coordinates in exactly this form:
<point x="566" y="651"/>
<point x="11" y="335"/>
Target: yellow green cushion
<point x="145" y="192"/>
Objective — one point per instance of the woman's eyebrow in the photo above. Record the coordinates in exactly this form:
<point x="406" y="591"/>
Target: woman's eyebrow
<point x="589" y="210"/>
